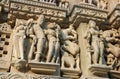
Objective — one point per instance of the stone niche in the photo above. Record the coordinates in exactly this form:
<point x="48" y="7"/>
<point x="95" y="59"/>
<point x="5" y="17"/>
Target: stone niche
<point x="59" y="39"/>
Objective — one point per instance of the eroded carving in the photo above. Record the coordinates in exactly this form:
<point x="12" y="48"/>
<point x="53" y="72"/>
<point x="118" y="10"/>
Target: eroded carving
<point x="52" y="34"/>
<point x="113" y="48"/>
<point x="35" y="32"/>
<point x="70" y="55"/>
<point x="19" y="36"/>
<point x="95" y="44"/>
<point x="101" y="4"/>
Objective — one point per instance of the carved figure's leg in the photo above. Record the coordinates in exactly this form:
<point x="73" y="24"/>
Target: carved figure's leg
<point x="96" y="54"/>
<point x="51" y="50"/>
<point x="21" y="46"/>
<point x="40" y="44"/>
<point x="77" y="62"/>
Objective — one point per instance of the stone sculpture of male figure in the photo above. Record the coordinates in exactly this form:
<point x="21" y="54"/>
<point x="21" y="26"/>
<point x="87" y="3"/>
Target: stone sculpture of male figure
<point x="36" y="32"/>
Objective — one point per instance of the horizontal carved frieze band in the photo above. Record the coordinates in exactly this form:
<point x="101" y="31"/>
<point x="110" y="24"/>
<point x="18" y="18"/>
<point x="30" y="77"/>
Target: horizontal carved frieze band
<point x="39" y="10"/>
<point x="93" y="13"/>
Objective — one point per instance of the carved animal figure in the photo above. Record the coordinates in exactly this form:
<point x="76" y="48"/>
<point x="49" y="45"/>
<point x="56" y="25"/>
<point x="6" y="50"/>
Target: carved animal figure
<point x="69" y="48"/>
<point x="114" y="50"/>
<point x="67" y="59"/>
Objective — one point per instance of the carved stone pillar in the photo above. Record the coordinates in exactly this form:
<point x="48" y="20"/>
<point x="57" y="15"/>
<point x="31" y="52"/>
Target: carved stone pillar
<point x="85" y="13"/>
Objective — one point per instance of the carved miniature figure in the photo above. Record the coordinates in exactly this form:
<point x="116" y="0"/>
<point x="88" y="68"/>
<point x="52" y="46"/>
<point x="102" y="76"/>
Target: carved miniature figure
<point x="36" y="32"/>
<point x="87" y="1"/>
<point x="102" y="4"/>
<point x="110" y="59"/>
<point x="69" y="40"/>
<point x="64" y="4"/>
<point x="93" y="41"/>
<point x="53" y="39"/>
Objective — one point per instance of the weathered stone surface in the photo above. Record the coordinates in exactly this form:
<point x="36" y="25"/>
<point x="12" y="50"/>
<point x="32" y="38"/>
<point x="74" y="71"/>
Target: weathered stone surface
<point x="59" y="39"/>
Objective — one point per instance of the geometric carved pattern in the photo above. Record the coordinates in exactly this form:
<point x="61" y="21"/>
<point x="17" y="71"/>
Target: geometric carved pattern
<point x="4" y="43"/>
<point x="5" y="51"/>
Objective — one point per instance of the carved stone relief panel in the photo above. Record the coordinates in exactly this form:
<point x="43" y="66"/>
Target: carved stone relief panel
<point x="5" y="46"/>
<point x="70" y="52"/>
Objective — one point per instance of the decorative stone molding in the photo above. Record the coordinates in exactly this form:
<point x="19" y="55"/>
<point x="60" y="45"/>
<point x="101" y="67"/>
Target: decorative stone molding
<point x="27" y="76"/>
<point x="85" y="12"/>
<point x="32" y="45"/>
<point x="35" y="8"/>
<point x="114" y="17"/>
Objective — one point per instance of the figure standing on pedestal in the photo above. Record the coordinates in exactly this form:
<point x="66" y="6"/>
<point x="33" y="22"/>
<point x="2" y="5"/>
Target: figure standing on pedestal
<point x="19" y="36"/>
<point x="53" y="39"/>
<point x="92" y="36"/>
<point x="36" y="32"/>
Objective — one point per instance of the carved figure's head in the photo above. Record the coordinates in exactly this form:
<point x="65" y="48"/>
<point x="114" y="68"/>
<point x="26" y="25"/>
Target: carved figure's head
<point x="21" y="22"/>
<point x="40" y="19"/>
<point x="51" y="25"/>
<point x="92" y="24"/>
<point x="71" y="27"/>
<point x="29" y="22"/>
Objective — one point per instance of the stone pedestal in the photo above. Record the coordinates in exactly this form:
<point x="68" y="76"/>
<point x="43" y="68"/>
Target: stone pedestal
<point x="92" y="77"/>
<point x="45" y="68"/>
<point x="99" y="70"/>
<point x="115" y="74"/>
<point x="71" y="73"/>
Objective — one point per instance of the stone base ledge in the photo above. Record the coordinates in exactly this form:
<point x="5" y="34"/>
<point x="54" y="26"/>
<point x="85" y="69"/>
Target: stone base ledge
<point x="99" y="70"/>
<point x="115" y="74"/>
<point x="45" y="68"/>
<point x="71" y="73"/>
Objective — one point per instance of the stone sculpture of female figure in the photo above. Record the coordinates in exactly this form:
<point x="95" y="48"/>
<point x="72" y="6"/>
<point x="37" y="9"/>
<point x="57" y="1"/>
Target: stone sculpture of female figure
<point x="92" y="37"/>
<point x="19" y="38"/>
<point x="53" y="41"/>
<point x="19" y="35"/>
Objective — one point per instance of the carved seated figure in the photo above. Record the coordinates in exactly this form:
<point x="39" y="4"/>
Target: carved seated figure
<point x="70" y="55"/>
